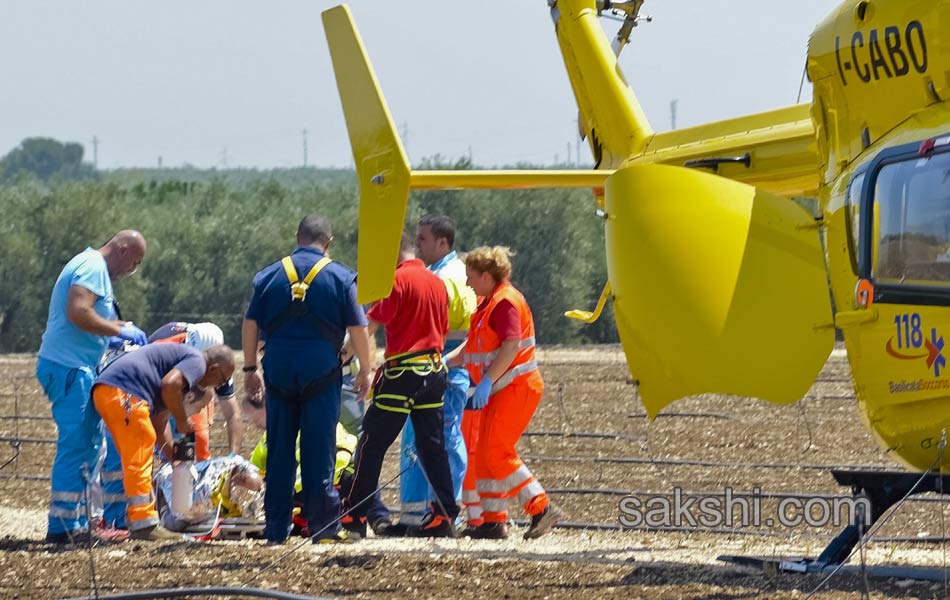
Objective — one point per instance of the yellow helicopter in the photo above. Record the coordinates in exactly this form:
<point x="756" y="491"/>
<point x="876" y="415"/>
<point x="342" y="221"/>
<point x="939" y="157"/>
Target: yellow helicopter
<point x="719" y="282"/>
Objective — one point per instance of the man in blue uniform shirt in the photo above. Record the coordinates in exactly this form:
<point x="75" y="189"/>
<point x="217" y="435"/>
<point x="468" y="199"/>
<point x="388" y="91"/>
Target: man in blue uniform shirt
<point x="302" y="307"/>
<point x="82" y="317"/>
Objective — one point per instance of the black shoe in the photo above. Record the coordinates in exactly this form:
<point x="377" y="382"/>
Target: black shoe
<point x="543" y="522"/>
<point x="355" y="528"/>
<point x="68" y="537"/>
<point x="490" y="531"/>
<point x="469" y="531"/>
<point x="385" y="528"/>
<point x="340" y="537"/>
<point x="434" y="526"/>
<point x="154" y="533"/>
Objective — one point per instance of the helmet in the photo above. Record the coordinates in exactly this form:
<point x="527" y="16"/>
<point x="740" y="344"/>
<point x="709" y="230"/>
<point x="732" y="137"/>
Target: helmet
<point x="202" y="336"/>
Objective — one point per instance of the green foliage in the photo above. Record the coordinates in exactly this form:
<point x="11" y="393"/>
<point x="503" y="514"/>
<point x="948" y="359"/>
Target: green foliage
<point x="208" y="235"/>
<point x="45" y="158"/>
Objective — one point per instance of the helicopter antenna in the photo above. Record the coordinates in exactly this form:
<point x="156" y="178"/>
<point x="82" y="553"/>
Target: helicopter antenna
<point x="629" y="13"/>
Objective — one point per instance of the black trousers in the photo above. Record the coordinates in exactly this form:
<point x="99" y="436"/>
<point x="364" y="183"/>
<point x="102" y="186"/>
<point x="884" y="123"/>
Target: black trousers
<point x="408" y="395"/>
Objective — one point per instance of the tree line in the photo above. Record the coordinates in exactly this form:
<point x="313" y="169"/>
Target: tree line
<point x="208" y="233"/>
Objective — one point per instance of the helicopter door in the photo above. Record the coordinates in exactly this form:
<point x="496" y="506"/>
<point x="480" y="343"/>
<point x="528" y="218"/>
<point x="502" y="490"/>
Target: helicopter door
<point x="903" y="240"/>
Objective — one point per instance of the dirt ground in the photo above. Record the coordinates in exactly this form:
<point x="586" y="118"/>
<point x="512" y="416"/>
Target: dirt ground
<point x="589" y="445"/>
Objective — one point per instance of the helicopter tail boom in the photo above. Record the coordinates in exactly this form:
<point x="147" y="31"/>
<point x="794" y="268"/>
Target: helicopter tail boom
<point x="610" y="114"/>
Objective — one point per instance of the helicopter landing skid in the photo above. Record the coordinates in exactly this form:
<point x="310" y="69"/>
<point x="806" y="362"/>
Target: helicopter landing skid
<point x="812" y="566"/>
<point x="882" y="489"/>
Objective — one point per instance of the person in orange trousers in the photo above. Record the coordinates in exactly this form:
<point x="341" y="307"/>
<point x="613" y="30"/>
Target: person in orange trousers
<point x="471" y="422"/>
<point x="499" y="356"/>
<point x="135" y="394"/>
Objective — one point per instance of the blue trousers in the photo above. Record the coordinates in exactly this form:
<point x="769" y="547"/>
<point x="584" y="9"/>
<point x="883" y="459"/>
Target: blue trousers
<point x="80" y="435"/>
<point x="292" y="407"/>
<point x="415" y="494"/>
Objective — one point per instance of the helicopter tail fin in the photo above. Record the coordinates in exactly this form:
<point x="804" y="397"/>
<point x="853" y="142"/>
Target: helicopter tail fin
<point x="381" y="164"/>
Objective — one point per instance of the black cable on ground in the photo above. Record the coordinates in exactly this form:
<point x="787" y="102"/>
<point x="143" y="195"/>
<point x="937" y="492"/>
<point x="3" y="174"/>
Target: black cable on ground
<point x="16" y="454"/>
<point x="193" y="592"/>
<point x="689" y="462"/>
<point x="15" y="442"/>
<point x="585" y="435"/>
<point x="90" y="533"/>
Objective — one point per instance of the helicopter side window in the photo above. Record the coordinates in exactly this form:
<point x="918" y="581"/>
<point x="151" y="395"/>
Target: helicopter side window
<point x="911" y="222"/>
<point x="853" y="212"/>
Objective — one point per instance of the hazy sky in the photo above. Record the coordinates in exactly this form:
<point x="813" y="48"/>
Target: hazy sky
<point x="209" y="81"/>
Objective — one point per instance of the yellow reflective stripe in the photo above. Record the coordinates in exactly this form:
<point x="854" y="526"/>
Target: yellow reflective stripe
<point x="392" y="397"/>
<point x="440" y="404"/>
<point x="392" y="408"/>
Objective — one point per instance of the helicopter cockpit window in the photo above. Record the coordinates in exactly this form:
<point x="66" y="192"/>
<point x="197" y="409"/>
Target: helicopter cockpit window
<point x="911" y="222"/>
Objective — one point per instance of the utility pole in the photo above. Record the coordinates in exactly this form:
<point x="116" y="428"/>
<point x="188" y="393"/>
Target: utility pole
<point x="673" y="114"/>
<point x="224" y="158"/>
<point x="569" y="153"/>
<point x="159" y="163"/>
<point x="304" y="132"/>
<point x="95" y="152"/>
<point x="405" y="137"/>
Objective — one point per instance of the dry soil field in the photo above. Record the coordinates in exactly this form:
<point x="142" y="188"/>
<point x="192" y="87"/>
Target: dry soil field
<point x="589" y="445"/>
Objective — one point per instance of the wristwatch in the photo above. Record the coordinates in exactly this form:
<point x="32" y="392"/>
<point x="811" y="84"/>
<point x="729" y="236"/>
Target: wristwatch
<point x="249" y="368"/>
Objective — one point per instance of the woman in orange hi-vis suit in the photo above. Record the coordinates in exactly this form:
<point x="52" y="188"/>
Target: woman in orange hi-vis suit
<point x="499" y="356"/>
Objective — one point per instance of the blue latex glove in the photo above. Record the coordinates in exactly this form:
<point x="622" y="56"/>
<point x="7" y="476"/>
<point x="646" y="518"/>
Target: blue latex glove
<point x="131" y="333"/>
<point x="115" y="342"/>
<point x="479" y="399"/>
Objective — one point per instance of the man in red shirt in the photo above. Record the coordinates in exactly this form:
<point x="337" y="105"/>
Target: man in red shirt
<point x="410" y="383"/>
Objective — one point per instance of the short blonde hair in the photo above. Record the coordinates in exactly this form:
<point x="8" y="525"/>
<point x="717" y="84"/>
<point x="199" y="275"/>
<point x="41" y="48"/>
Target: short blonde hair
<point x="491" y="259"/>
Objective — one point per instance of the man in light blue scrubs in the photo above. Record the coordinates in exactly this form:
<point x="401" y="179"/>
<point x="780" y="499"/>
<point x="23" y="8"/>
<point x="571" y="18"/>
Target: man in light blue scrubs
<point x="83" y="320"/>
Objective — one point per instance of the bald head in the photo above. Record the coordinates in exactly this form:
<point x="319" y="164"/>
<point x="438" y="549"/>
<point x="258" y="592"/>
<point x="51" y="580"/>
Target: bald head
<point x="123" y="253"/>
<point x="220" y="366"/>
